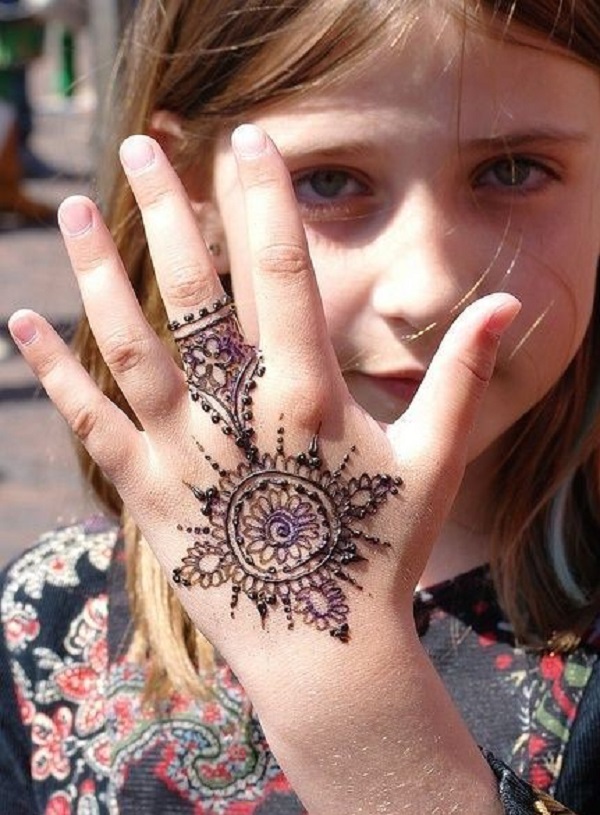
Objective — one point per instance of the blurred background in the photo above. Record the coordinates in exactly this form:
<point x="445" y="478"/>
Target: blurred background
<point x="56" y="60"/>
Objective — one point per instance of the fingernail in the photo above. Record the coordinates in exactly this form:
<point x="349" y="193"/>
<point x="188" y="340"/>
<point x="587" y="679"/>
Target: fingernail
<point x="137" y="153"/>
<point x="22" y="328"/>
<point x="502" y="317"/>
<point x="75" y="216"/>
<point x="248" y="141"/>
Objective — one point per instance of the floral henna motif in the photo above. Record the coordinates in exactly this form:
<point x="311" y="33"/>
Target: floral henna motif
<point x="221" y="368"/>
<point x="283" y="530"/>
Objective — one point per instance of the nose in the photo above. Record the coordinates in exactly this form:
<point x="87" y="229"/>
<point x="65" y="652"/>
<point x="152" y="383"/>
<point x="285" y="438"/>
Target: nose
<point x="415" y="282"/>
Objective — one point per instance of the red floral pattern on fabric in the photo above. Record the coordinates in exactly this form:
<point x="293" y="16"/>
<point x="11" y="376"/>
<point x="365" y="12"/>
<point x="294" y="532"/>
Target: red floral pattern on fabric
<point x="553" y="701"/>
<point x="60" y="690"/>
<point x="59" y="804"/>
<point x="89" y="732"/>
<point x="210" y="755"/>
<point x="96" y="750"/>
<point x="537" y="694"/>
<point x="49" y="736"/>
<point x="22" y="627"/>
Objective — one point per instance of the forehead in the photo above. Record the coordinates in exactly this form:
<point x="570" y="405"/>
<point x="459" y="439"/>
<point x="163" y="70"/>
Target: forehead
<point x="443" y="74"/>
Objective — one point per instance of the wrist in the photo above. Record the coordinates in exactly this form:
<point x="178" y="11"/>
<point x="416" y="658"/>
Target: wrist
<point x="378" y="736"/>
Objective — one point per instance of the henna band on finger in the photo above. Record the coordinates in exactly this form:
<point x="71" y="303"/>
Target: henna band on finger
<point x="221" y="368"/>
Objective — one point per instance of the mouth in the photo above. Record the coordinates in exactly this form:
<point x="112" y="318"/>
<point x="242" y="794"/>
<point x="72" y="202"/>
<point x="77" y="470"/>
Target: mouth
<point x="402" y="385"/>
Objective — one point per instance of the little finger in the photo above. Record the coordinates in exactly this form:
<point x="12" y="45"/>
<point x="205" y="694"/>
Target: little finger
<point x="108" y="435"/>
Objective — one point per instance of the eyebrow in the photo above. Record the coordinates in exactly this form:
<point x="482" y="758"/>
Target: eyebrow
<point x="515" y="141"/>
<point x="351" y="148"/>
<point x="364" y="148"/>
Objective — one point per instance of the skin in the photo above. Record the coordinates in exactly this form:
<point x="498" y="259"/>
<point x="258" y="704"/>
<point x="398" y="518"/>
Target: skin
<point x="424" y="217"/>
<point x="366" y="295"/>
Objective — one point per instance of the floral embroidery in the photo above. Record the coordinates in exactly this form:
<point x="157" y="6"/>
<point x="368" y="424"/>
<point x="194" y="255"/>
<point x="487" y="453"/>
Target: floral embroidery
<point x="59" y="804"/>
<point x="52" y="741"/>
<point x="60" y="689"/>
<point x="54" y="561"/>
<point x="91" y="737"/>
<point x="21" y="627"/>
<point x="211" y="754"/>
<point x="537" y="695"/>
<point x="549" y="694"/>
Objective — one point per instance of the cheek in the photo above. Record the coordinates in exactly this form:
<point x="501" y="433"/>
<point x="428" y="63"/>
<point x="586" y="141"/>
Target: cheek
<point x="555" y="280"/>
<point x="344" y="286"/>
<point x="557" y="307"/>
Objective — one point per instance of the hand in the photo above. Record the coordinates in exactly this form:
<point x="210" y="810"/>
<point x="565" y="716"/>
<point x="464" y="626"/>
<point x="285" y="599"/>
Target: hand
<point x="208" y="478"/>
<point x="167" y="474"/>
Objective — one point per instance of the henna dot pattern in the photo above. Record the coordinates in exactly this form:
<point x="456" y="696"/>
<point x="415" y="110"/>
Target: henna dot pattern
<point x="220" y="368"/>
<point x="285" y="532"/>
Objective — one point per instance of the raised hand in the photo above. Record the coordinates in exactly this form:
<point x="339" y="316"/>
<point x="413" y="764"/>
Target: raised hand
<point x="255" y="470"/>
<point x="271" y="499"/>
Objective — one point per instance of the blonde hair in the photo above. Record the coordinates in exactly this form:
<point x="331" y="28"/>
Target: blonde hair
<point x="211" y="62"/>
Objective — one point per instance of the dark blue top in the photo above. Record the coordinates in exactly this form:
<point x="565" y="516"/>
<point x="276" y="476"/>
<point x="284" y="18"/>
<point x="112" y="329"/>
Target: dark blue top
<point x="75" y="737"/>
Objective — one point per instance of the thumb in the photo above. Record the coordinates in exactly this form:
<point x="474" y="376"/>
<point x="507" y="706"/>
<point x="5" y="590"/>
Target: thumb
<point x="436" y="427"/>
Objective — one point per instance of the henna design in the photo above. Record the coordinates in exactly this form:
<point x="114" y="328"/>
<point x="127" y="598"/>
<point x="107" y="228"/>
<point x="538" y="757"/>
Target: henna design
<point x="282" y="530"/>
<point x="221" y="368"/>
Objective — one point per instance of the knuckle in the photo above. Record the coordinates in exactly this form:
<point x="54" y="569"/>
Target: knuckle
<point x="47" y="366"/>
<point x="91" y="259"/>
<point x="307" y="402"/>
<point x="479" y="369"/>
<point x="123" y="352"/>
<point x="83" y="421"/>
<point x="283" y="258"/>
<point x="185" y="289"/>
<point x="154" y="195"/>
<point x="261" y="177"/>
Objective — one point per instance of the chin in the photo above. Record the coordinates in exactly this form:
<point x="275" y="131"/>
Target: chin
<point x="381" y="412"/>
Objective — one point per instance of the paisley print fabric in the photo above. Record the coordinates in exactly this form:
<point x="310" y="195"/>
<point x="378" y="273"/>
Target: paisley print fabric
<point x="75" y="738"/>
<point x="520" y="705"/>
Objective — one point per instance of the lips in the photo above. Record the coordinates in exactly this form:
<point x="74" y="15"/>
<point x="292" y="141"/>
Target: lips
<point x="401" y="386"/>
<point x="385" y="395"/>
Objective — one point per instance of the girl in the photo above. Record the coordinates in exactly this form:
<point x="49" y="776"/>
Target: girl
<point x="370" y="467"/>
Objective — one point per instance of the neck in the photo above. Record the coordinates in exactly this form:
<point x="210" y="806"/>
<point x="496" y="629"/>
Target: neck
<point x="465" y="539"/>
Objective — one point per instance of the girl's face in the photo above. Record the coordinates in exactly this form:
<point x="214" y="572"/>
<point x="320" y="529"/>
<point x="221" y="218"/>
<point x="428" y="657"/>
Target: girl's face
<point x="448" y="167"/>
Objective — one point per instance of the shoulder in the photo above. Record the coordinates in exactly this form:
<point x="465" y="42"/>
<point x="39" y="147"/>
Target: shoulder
<point x="53" y="661"/>
<point x="59" y="557"/>
<point x="579" y="780"/>
<point x="54" y="579"/>
<point x="591" y="638"/>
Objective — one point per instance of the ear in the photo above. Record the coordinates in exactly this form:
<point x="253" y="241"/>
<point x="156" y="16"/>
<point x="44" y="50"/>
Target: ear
<point x="168" y="130"/>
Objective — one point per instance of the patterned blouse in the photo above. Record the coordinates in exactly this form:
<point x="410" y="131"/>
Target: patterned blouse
<point x="75" y="738"/>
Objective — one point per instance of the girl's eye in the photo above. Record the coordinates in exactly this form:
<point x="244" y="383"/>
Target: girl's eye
<point x="326" y="184"/>
<point x="514" y="174"/>
<point x="332" y="193"/>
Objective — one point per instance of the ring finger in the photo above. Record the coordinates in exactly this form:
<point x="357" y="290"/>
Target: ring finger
<point x="182" y="264"/>
<point x="220" y="367"/>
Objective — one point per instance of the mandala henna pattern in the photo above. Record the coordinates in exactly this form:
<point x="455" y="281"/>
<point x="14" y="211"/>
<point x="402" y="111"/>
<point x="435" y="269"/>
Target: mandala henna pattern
<point x="284" y="531"/>
<point x="221" y="368"/>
